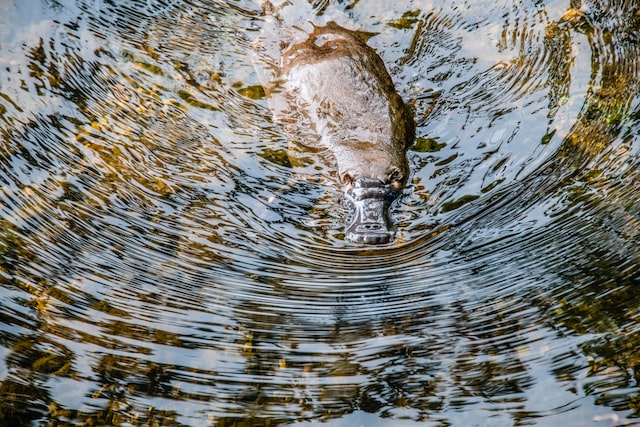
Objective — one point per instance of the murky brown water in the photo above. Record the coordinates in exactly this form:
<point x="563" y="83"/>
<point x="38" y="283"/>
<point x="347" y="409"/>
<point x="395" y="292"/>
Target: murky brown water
<point x="163" y="263"/>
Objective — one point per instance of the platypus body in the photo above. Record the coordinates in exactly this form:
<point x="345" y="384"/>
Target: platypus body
<point x="338" y="90"/>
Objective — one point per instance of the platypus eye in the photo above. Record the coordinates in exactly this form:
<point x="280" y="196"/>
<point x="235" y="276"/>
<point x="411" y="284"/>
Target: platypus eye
<point x="346" y="179"/>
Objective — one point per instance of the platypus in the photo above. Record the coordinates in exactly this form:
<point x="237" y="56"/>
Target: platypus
<point x="338" y="90"/>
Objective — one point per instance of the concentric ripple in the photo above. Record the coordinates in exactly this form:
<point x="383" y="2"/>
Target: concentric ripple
<point x="164" y="261"/>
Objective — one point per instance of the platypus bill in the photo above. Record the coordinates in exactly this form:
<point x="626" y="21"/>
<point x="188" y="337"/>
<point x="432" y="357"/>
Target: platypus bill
<point x="338" y="91"/>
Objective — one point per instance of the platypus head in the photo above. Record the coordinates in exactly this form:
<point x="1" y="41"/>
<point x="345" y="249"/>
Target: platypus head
<point x="370" y="187"/>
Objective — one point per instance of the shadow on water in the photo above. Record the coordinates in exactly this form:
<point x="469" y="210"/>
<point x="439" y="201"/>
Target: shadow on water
<point x="162" y="262"/>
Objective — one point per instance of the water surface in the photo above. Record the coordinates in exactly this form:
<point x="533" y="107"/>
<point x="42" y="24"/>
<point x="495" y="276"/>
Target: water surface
<point x="163" y="262"/>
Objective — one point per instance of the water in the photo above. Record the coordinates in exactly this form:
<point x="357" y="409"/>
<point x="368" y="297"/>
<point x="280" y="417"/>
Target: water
<point x="164" y="263"/>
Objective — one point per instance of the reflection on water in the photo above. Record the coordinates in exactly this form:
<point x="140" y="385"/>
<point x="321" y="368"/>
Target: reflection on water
<point x="162" y="262"/>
